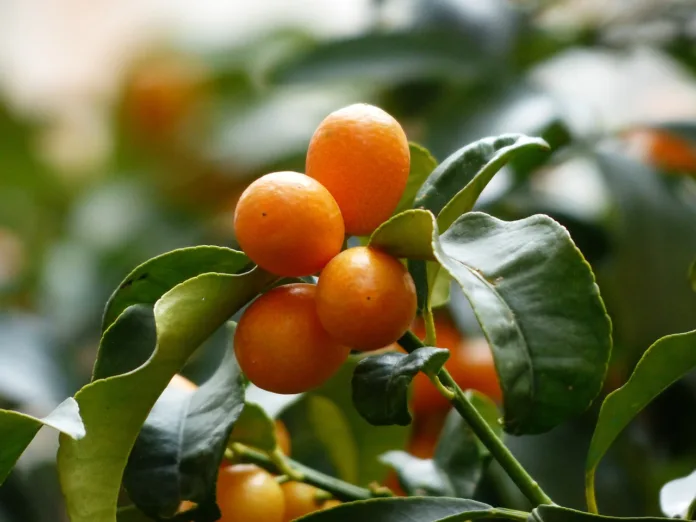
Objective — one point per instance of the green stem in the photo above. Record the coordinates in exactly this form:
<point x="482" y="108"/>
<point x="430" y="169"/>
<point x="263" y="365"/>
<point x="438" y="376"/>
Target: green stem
<point x="590" y="492"/>
<point x="338" y="488"/>
<point x="691" y="512"/>
<point x="483" y="431"/>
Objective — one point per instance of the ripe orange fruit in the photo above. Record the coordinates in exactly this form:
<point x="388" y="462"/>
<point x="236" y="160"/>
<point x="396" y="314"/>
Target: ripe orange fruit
<point x="282" y="437"/>
<point x="288" y="224"/>
<point x="300" y="500"/>
<point x="360" y="153"/>
<point x="247" y="493"/>
<point x="425" y="434"/>
<point x="281" y="345"/>
<point x="664" y="150"/>
<point x="366" y="299"/>
<point x="331" y="504"/>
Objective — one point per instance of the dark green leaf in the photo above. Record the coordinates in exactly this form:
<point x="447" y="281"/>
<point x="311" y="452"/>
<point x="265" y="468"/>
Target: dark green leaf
<point x="561" y="514"/>
<point x="178" y="452"/>
<point x="131" y="514"/>
<point x="422" y="164"/>
<point x="148" y="282"/>
<point x="361" y="445"/>
<point x="387" y="58"/>
<point x="17" y="430"/>
<point x="381" y="382"/>
<point x="422" y="509"/>
<point x="455" y="185"/>
<point x="459" y="461"/>
<point x="254" y="428"/>
<point x="692" y="275"/>
<point x="683" y="129"/>
<point x="665" y="362"/>
<point x="540" y="309"/>
<point x="114" y="409"/>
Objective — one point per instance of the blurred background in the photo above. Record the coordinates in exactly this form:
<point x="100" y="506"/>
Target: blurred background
<point x="130" y="128"/>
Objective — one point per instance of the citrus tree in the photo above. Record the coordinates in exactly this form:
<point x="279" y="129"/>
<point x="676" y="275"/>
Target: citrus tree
<point x="381" y="224"/>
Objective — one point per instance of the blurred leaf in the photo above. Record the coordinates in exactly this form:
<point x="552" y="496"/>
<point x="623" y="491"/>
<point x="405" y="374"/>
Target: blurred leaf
<point x="678" y="496"/>
<point x="179" y="449"/>
<point x="422" y="164"/>
<point x="422" y="509"/>
<point x="692" y="275"/>
<point x="453" y="188"/>
<point x="17" y="430"/>
<point x="369" y="441"/>
<point x="653" y="244"/>
<point x="254" y="428"/>
<point x="440" y="294"/>
<point x="381" y="383"/>
<point x="333" y="432"/>
<point x="561" y="514"/>
<point x="683" y="129"/>
<point x="388" y="58"/>
<point x="148" y="282"/>
<point x="459" y="461"/>
<point x="530" y="287"/>
<point x="91" y="469"/>
<point x="665" y="362"/>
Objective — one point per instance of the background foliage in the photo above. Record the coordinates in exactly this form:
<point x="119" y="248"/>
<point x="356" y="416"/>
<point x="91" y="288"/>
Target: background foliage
<point x="148" y="147"/>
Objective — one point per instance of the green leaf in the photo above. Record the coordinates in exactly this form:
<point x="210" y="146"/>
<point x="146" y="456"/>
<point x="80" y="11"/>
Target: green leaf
<point x="561" y="514"/>
<point x="422" y="509"/>
<point x="664" y="363"/>
<point x="459" y="461"/>
<point x="455" y="185"/>
<point x="422" y="164"/>
<point x="692" y="275"/>
<point x="148" y="282"/>
<point x="387" y="58"/>
<point x="381" y="382"/>
<point x="255" y="428"/>
<point x="178" y="452"/>
<point x="17" y="430"/>
<point x="113" y="409"/>
<point x="407" y="235"/>
<point x="540" y="309"/>
<point x="333" y="432"/>
<point x="361" y="444"/>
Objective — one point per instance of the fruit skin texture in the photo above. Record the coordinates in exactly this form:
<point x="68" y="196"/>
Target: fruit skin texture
<point x="280" y="344"/>
<point x="360" y="153"/>
<point x="288" y="224"/>
<point x="300" y="500"/>
<point x="246" y="493"/>
<point x="366" y="299"/>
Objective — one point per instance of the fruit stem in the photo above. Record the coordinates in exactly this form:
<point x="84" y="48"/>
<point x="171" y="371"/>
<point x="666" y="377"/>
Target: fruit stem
<point x="340" y="489"/>
<point x="281" y="462"/>
<point x="444" y="390"/>
<point x="430" y="334"/>
<point x="483" y="431"/>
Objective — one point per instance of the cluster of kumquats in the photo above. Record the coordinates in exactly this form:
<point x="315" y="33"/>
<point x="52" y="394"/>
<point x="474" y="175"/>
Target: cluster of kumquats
<point x="294" y="337"/>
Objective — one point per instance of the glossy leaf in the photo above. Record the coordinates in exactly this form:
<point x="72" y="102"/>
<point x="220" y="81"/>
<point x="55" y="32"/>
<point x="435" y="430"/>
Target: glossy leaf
<point x="677" y="497"/>
<point x="149" y="281"/>
<point x="381" y="383"/>
<point x="387" y="58"/>
<point x="422" y="509"/>
<point x="91" y="469"/>
<point x="254" y="428"/>
<point x="665" y="362"/>
<point x="540" y="309"/>
<point x="459" y="461"/>
<point x="422" y="164"/>
<point x="178" y="452"/>
<point x="561" y="514"/>
<point x="17" y="430"/>
<point x="453" y="188"/>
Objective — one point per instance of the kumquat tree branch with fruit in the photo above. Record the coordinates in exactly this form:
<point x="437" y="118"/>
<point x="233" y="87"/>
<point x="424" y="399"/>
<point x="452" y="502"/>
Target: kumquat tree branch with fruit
<point x="331" y="302"/>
